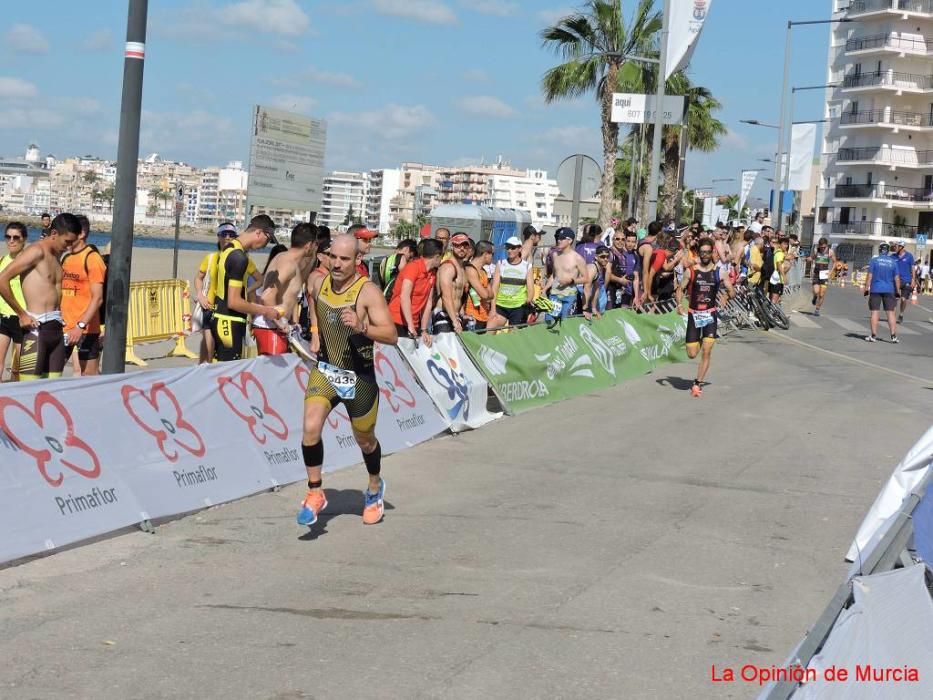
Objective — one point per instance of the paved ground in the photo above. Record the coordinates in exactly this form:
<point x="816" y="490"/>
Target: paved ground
<point x="614" y="546"/>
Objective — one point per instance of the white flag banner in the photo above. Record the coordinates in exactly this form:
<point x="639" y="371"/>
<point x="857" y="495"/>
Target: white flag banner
<point x="686" y="23"/>
<point x="709" y="212"/>
<point x="803" y="141"/>
<point x="748" y="181"/>
<point x="452" y="381"/>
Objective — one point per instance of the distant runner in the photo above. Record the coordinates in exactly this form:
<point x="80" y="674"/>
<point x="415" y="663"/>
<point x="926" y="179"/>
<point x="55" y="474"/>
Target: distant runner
<point x="348" y="315"/>
<point x="40" y="273"/>
<point x="823" y="260"/>
<point x="702" y="284"/>
<point x="83" y="275"/>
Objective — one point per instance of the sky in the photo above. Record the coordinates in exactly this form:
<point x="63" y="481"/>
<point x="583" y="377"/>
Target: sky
<point x="449" y="82"/>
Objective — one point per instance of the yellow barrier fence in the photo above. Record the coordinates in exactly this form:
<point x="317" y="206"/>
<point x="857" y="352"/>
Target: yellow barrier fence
<point x="158" y="311"/>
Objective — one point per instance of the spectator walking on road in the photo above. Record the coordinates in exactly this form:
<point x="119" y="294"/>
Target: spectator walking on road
<point x="905" y="270"/>
<point x="882" y="287"/>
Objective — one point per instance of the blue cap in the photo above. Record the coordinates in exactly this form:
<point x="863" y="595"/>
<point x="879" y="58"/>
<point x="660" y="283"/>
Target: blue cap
<point x="564" y="232"/>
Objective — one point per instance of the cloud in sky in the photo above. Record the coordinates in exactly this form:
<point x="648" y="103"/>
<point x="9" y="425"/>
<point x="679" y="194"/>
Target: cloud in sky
<point x="496" y="8"/>
<point x="392" y="121"/>
<point x="293" y="103"/>
<point x="24" y="38"/>
<point x="316" y="75"/>
<point x="101" y="40"/>
<point x="428" y="11"/>
<point x="17" y="89"/>
<point x="551" y="16"/>
<point x="283" y="17"/>
<point x="485" y="106"/>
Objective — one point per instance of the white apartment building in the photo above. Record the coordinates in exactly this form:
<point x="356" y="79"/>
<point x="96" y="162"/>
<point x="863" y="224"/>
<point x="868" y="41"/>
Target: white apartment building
<point x="344" y="193"/>
<point x="383" y="188"/>
<point x="532" y="192"/>
<point x="877" y="163"/>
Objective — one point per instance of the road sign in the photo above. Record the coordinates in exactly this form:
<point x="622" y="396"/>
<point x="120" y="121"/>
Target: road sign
<point x="921" y="241"/>
<point x="628" y="108"/>
<point x="578" y="177"/>
<point x="286" y="162"/>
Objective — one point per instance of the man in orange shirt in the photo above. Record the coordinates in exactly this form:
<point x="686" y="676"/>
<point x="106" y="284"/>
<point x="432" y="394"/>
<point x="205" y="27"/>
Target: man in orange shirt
<point x="413" y="294"/>
<point x="83" y="274"/>
<point x="479" y="293"/>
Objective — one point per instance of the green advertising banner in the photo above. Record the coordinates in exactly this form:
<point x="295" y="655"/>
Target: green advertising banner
<point x="534" y="366"/>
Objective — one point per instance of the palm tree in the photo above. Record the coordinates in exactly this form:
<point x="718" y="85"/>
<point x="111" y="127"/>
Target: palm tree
<point x="593" y="44"/>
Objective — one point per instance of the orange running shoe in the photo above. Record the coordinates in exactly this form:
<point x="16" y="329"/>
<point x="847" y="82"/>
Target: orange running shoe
<point x="373" y="506"/>
<point x="696" y="391"/>
<point x="315" y="501"/>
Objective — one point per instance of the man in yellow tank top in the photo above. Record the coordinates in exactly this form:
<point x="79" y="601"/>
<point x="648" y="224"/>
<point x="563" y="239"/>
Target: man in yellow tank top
<point x="10" y="331"/>
<point x="348" y="315"/>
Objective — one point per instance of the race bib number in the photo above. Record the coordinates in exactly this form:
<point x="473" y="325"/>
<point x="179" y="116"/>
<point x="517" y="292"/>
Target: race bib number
<point x="343" y="380"/>
<point x="824" y="274"/>
<point x="701" y="319"/>
<point x="775" y="277"/>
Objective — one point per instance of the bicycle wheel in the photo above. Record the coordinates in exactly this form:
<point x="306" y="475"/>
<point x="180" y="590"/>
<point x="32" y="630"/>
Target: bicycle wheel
<point x="760" y="314"/>
<point x="777" y="317"/>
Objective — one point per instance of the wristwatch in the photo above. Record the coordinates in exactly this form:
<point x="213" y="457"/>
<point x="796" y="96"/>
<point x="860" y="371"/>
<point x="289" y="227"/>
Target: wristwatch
<point x="82" y="325"/>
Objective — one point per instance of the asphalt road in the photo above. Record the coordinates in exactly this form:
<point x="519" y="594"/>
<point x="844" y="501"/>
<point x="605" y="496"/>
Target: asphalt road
<point x="614" y="546"/>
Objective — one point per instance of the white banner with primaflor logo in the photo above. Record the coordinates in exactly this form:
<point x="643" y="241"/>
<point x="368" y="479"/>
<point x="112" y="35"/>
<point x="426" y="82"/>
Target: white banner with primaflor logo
<point x="457" y="388"/>
<point x="82" y="457"/>
<point x="686" y="23"/>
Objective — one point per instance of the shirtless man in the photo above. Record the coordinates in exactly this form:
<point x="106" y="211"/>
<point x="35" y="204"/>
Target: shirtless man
<point x="531" y="239"/>
<point x="348" y="315"/>
<point x="281" y="287"/>
<point x="451" y="281"/>
<point x="568" y="274"/>
<point x="40" y="274"/>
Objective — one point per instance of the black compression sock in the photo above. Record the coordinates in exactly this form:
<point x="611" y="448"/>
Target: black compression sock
<point x="373" y="460"/>
<point x="313" y="454"/>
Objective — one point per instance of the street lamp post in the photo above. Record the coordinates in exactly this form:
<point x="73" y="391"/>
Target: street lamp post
<point x="121" y="250"/>
<point x="781" y="122"/>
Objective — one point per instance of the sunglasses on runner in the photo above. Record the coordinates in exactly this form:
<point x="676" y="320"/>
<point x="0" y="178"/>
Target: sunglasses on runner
<point x="13" y="238"/>
<point x="706" y="251"/>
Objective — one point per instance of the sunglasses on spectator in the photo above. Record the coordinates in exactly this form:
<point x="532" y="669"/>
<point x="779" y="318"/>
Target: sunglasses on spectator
<point x="226" y="234"/>
<point x="462" y="244"/>
<point x="708" y="251"/>
<point x="13" y="238"/>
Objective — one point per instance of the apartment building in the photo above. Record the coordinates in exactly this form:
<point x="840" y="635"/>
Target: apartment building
<point x="530" y="191"/>
<point x="344" y="194"/>
<point x="383" y="188"/>
<point x="877" y="159"/>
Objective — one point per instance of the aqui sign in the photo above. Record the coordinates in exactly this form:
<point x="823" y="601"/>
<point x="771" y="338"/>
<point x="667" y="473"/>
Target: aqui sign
<point x="629" y="108"/>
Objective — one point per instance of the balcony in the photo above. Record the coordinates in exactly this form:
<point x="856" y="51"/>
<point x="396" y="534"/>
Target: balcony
<point x="881" y="117"/>
<point x="864" y="7"/>
<point x="891" y="193"/>
<point x="895" y="157"/>
<point x="888" y="80"/>
<point x="886" y="42"/>
<point x="873" y="228"/>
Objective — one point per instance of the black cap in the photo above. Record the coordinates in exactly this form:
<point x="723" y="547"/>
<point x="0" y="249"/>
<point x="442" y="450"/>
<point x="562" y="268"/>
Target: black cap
<point x="564" y="232"/>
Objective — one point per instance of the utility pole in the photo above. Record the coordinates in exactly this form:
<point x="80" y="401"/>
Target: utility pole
<point x="179" y="199"/>
<point x="659" y="117"/>
<point x="121" y="248"/>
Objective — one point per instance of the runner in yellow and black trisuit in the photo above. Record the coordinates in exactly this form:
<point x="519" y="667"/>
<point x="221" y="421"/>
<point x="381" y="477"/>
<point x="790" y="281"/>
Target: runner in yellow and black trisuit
<point x="702" y="282"/>
<point x="348" y="315"/>
<point x="228" y="324"/>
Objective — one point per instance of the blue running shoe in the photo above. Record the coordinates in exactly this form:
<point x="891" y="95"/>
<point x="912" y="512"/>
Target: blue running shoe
<point x="373" y="506"/>
<point x="314" y="502"/>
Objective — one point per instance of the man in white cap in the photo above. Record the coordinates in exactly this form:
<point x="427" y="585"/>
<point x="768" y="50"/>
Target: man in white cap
<point x="512" y="287"/>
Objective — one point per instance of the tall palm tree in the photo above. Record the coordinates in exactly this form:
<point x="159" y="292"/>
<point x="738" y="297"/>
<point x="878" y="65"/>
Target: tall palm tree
<point x="593" y="44"/>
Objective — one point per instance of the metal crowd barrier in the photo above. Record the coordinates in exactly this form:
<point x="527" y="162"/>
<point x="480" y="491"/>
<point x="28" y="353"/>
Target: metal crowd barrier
<point x="158" y="311"/>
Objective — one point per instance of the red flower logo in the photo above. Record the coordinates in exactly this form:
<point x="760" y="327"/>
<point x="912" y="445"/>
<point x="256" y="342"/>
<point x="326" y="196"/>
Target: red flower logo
<point x="391" y="386"/>
<point x="302" y="375"/>
<point x="246" y="398"/>
<point x="159" y="414"/>
<point x="54" y="446"/>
